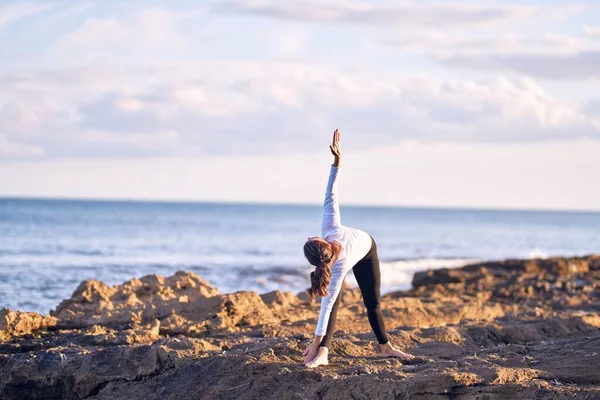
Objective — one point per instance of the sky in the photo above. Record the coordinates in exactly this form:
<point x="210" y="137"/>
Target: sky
<point x="440" y="103"/>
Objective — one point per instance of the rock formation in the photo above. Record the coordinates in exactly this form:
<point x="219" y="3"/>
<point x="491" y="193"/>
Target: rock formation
<point x="516" y="329"/>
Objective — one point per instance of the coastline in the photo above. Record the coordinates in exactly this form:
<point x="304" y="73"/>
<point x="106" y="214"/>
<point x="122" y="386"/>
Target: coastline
<point x="514" y="329"/>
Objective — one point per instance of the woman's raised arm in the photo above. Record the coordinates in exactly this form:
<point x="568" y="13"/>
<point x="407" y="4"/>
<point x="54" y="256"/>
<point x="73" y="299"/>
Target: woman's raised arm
<point x="331" y="206"/>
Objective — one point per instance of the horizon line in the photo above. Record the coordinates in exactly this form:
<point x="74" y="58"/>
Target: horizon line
<point x="291" y="204"/>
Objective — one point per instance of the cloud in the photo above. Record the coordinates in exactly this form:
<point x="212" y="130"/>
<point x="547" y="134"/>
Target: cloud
<point x="146" y="34"/>
<point x="577" y="66"/>
<point x="439" y="43"/>
<point x="185" y="81"/>
<point x="12" y="149"/>
<point x="10" y="13"/>
<point x="258" y="112"/>
<point x="258" y="108"/>
<point x="549" y="56"/>
<point x="592" y="108"/>
<point x="592" y="31"/>
<point x="362" y="13"/>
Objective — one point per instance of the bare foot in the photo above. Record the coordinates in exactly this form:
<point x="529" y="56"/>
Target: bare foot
<point x="320" y="359"/>
<point x="390" y="351"/>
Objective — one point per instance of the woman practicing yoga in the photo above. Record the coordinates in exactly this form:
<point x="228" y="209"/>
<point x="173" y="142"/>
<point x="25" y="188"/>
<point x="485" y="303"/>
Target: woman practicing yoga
<point x="341" y="249"/>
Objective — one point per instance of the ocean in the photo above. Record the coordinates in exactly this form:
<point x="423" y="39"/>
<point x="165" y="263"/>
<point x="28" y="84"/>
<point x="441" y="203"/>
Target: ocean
<point x="47" y="247"/>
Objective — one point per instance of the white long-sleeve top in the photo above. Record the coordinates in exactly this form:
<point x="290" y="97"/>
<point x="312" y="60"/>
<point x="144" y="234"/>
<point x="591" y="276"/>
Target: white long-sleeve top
<point x="355" y="245"/>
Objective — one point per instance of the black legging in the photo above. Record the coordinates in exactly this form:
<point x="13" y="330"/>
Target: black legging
<point x="367" y="274"/>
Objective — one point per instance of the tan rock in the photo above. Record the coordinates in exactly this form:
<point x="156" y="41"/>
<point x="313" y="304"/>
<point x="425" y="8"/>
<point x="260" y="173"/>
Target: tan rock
<point x="15" y="323"/>
<point x="134" y="302"/>
<point x="517" y="329"/>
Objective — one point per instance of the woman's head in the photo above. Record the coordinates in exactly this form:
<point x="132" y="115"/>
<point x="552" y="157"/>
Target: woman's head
<point x="322" y="255"/>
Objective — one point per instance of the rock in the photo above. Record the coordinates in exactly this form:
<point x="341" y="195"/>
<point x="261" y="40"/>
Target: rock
<point x="558" y="266"/>
<point x="572" y="361"/>
<point x="435" y="277"/>
<point x="515" y="329"/>
<point x="14" y="323"/>
<point x="176" y="352"/>
<point x="113" y="363"/>
<point x="303" y="296"/>
<point x="593" y="262"/>
<point x="476" y="273"/>
<point x="517" y="375"/>
<point x="444" y="382"/>
<point x="279" y="300"/>
<point x="102" y="336"/>
<point x="350" y="296"/>
<point x="136" y="301"/>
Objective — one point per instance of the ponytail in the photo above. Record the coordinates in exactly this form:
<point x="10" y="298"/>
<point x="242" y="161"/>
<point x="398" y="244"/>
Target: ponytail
<point x="322" y="255"/>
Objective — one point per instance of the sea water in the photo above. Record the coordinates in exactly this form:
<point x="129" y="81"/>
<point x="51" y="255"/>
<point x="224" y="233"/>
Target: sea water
<point x="47" y="247"/>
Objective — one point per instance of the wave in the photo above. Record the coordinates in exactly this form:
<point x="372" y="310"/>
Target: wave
<point x="398" y="275"/>
<point x="395" y="275"/>
<point x="54" y="251"/>
<point x="538" y="253"/>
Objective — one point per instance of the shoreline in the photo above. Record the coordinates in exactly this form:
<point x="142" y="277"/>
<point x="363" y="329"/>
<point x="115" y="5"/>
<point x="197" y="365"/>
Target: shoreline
<point x="497" y="329"/>
<point x="399" y="278"/>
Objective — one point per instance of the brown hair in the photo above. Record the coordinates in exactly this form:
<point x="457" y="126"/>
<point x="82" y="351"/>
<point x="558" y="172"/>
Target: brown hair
<point x="322" y="255"/>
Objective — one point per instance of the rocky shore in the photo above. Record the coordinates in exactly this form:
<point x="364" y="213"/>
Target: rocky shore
<point x="517" y="329"/>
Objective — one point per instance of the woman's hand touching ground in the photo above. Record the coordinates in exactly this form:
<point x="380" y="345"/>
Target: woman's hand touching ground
<point x="311" y="352"/>
<point x="320" y="359"/>
<point x="335" y="149"/>
<point x="315" y="354"/>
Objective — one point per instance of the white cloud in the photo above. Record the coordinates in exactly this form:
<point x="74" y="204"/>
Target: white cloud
<point x="363" y="13"/>
<point x="548" y="56"/>
<point x="188" y="104"/>
<point x="25" y="117"/>
<point x="12" y="149"/>
<point x="561" y="42"/>
<point x="237" y="107"/>
<point x="592" y="31"/>
<point x="592" y="108"/>
<point x="146" y="34"/>
<point x="149" y="141"/>
<point x="10" y="13"/>
<point x="446" y="44"/>
<point x="578" y="65"/>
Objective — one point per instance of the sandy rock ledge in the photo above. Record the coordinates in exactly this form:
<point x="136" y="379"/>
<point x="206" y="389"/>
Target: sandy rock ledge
<point x="516" y="329"/>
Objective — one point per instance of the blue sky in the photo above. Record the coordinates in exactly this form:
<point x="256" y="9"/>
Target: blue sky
<point x="96" y="96"/>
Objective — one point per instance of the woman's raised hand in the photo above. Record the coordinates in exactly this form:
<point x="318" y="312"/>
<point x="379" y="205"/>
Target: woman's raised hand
<point x="335" y="148"/>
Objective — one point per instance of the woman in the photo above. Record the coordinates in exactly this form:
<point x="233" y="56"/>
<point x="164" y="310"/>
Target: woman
<point x="340" y="250"/>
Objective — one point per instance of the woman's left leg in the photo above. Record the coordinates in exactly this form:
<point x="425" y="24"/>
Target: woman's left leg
<point x="368" y="276"/>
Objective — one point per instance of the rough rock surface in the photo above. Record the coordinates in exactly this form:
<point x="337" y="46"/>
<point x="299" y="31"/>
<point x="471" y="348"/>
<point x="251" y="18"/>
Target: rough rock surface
<point x="517" y="329"/>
